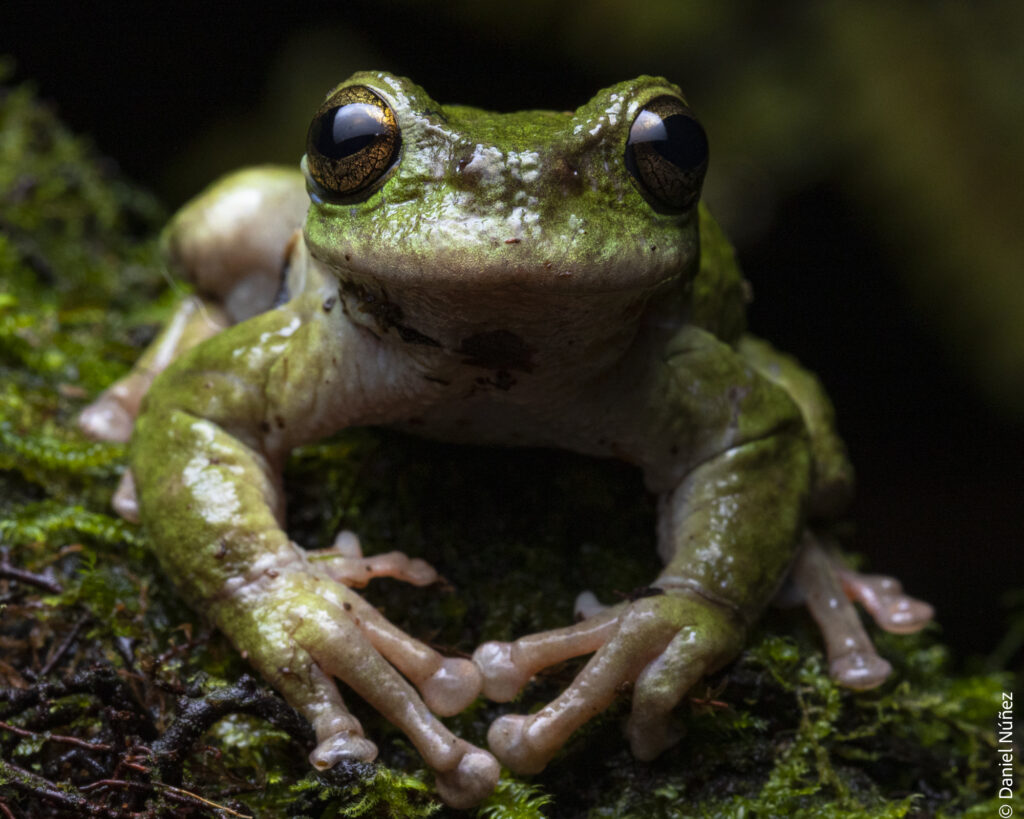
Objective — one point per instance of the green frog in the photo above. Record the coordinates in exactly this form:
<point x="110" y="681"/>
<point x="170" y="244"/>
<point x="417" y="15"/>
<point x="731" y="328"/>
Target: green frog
<point x="535" y="278"/>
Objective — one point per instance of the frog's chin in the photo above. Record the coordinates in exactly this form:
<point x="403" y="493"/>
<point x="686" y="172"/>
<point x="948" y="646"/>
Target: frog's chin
<point x="505" y="328"/>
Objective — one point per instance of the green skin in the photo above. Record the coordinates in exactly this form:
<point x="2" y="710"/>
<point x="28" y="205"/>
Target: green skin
<point x="507" y="283"/>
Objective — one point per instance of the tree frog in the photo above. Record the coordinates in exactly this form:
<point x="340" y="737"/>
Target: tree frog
<point x="533" y="278"/>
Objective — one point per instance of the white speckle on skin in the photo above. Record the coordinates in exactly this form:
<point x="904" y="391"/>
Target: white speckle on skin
<point x="487" y="161"/>
<point x="213" y="491"/>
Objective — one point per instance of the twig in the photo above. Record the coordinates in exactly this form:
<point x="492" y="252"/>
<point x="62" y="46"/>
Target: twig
<point x="67" y="796"/>
<point x="80" y="743"/>
<point x="180" y="794"/>
<point x="12" y="572"/>
<point x="64" y="646"/>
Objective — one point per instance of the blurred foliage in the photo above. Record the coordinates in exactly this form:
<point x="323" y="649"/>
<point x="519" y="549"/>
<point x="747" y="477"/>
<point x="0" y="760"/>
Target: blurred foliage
<point x="913" y="110"/>
<point x="517" y="536"/>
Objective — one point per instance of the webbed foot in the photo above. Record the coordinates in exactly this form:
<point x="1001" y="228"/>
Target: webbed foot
<point x="827" y="587"/>
<point x="660" y="644"/>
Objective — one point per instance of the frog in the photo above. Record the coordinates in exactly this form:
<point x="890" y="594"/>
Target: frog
<point x="538" y="278"/>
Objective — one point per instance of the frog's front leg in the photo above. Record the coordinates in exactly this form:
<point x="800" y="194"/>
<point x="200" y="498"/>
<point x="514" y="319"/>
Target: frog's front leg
<point x="207" y="453"/>
<point x="728" y="527"/>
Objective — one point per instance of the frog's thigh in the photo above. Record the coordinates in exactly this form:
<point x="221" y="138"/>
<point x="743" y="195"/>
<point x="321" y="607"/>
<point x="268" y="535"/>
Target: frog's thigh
<point x="231" y="241"/>
<point x="832" y="487"/>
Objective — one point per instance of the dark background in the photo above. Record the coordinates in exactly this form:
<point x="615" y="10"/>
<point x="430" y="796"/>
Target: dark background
<point x="865" y="161"/>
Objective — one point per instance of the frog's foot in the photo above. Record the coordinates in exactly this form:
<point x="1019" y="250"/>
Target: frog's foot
<point x="111" y="417"/>
<point x="344" y="562"/>
<point x="301" y="628"/>
<point x="661" y="645"/>
<point x="126" y="499"/>
<point x="885" y="601"/>
<point x="827" y="588"/>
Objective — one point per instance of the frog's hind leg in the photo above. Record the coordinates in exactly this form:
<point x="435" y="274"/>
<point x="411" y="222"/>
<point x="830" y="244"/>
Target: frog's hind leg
<point x="231" y="242"/>
<point x="827" y="587"/>
<point x="111" y="417"/>
<point x="832" y="487"/>
<point x="819" y="578"/>
<point x="885" y="601"/>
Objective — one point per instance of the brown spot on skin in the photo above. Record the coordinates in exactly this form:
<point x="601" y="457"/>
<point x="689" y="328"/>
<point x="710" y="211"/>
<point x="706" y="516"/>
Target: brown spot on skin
<point x="512" y="241"/>
<point x="497" y="350"/>
<point x="347" y="606"/>
<point x="503" y="380"/>
<point x="412" y="336"/>
<point x="385" y="314"/>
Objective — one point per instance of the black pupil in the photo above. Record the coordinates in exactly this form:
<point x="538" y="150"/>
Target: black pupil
<point x="347" y="130"/>
<point x="677" y="137"/>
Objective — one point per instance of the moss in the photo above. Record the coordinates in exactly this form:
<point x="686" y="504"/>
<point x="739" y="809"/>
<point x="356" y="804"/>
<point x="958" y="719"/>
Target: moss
<point x="97" y="646"/>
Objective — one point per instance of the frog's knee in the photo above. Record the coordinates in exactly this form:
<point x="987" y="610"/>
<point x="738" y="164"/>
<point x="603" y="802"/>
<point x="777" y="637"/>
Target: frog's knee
<point x="231" y="240"/>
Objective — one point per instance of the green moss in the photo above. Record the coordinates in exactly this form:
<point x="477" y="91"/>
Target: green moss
<point x="516" y="534"/>
<point x="513" y="799"/>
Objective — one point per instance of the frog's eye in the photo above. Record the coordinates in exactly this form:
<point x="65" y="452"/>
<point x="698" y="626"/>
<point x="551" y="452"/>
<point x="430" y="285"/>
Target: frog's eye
<point x="352" y="141"/>
<point x="667" y="154"/>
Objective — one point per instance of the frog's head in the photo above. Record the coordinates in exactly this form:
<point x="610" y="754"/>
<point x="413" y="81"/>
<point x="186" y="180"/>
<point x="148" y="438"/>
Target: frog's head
<point x="449" y="211"/>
